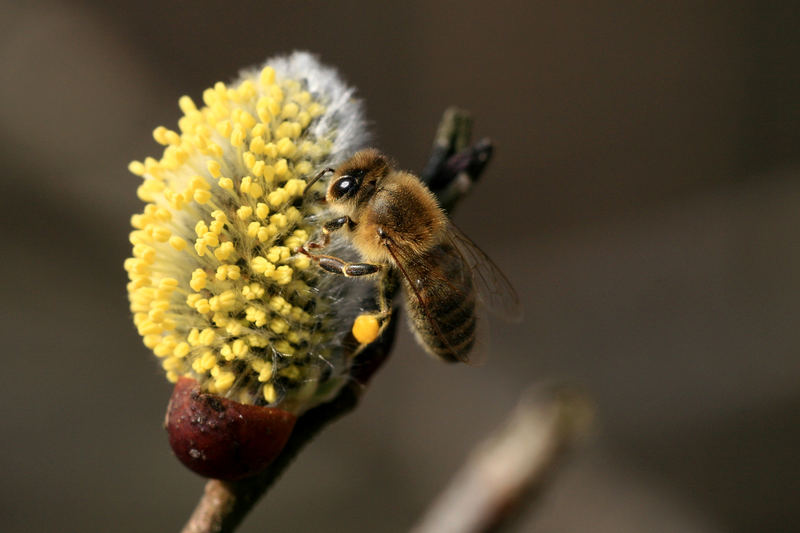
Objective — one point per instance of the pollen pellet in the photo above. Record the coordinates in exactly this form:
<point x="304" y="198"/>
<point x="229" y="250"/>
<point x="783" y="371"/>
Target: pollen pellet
<point x="366" y="328"/>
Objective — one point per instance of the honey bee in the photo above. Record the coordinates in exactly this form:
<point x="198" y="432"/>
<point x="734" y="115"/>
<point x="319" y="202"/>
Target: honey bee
<point x="395" y="223"/>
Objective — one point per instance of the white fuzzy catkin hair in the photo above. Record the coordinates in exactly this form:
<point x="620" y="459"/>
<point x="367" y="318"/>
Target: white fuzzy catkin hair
<point x="344" y="113"/>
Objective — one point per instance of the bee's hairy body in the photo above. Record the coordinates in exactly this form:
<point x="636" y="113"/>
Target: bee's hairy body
<point x="402" y="210"/>
<point x="405" y="213"/>
<point x="395" y="222"/>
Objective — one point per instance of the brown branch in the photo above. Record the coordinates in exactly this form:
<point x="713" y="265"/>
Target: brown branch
<point x="453" y="167"/>
<point x="511" y="466"/>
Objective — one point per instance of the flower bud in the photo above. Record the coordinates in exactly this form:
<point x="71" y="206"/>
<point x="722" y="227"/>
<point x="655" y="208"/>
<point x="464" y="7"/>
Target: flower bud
<point x="219" y="438"/>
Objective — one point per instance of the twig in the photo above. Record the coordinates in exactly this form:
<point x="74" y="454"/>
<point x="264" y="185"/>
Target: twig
<point x="453" y="167"/>
<point x="510" y="466"/>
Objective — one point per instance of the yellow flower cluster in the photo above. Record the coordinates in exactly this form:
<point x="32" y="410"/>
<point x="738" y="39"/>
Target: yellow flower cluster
<point x="216" y="288"/>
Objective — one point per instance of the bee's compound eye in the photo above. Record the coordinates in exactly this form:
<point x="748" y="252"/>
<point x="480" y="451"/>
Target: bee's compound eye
<point x="366" y="328"/>
<point x="344" y="186"/>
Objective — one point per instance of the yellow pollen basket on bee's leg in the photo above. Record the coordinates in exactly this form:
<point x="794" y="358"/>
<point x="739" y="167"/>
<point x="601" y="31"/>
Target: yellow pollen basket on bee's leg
<point x="366" y="328"/>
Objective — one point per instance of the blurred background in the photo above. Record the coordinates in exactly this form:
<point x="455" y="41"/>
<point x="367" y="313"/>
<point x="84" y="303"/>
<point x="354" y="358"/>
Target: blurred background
<point x="644" y="199"/>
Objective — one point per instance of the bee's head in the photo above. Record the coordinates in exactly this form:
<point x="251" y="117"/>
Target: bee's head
<point x="354" y="181"/>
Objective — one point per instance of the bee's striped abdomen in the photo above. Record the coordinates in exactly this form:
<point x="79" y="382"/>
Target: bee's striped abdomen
<point x="444" y="321"/>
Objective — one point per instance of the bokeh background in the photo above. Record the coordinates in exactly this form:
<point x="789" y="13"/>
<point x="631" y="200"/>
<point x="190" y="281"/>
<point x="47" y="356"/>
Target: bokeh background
<point x="644" y="199"/>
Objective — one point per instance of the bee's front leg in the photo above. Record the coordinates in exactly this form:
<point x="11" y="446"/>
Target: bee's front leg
<point x="335" y="265"/>
<point x="328" y="228"/>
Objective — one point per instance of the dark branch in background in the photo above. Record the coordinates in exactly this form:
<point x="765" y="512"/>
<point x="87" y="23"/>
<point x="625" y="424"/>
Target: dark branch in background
<point x="454" y="166"/>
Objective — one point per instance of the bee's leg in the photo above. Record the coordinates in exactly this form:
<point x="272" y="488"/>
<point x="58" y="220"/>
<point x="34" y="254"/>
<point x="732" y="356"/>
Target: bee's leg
<point x="386" y="291"/>
<point x="328" y="228"/>
<point x="387" y="287"/>
<point x="370" y="324"/>
<point x="341" y="267"/>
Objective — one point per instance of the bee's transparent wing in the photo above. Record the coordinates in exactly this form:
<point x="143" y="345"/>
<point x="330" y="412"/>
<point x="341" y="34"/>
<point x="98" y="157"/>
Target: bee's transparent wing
<point x="440" y="280"/>
<point x="494" y="289"/>
<point x="461" y="273"/>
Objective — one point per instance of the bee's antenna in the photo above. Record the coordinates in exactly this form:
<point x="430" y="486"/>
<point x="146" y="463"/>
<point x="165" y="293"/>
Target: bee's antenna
<point x="316" y="178"/>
